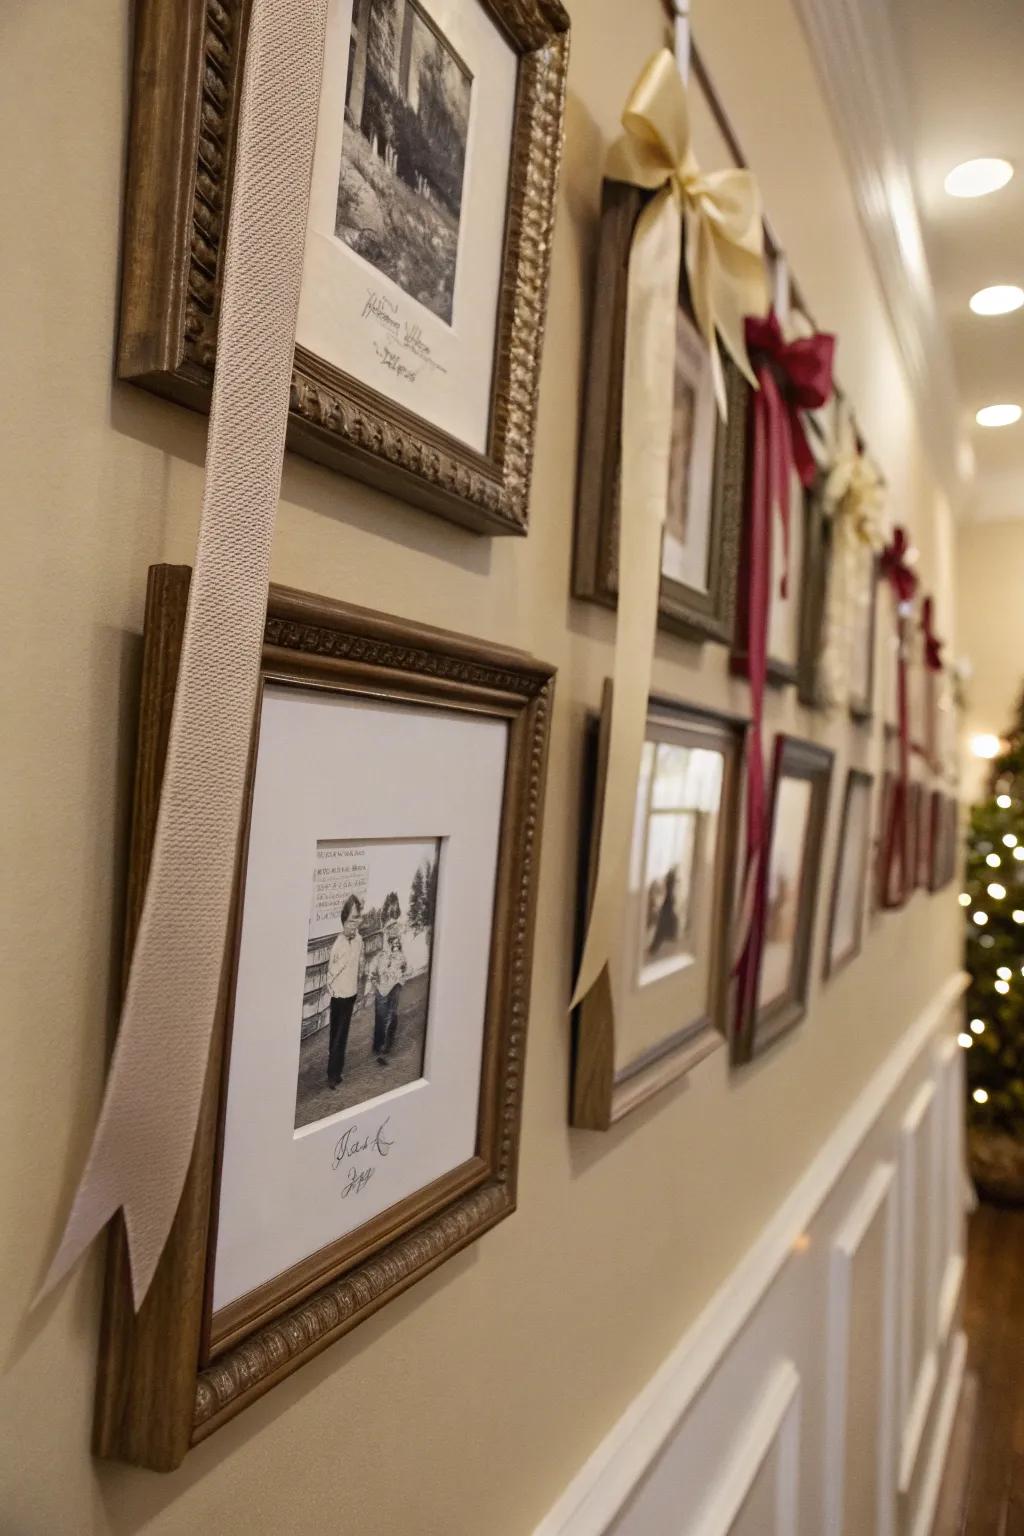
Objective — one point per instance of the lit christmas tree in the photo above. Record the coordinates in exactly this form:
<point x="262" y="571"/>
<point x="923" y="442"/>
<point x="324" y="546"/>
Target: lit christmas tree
<point x="993" y="898"/>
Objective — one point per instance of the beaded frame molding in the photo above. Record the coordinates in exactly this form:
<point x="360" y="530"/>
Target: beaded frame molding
<point x="187" y="84"/>
<point x="173" y="1373"/>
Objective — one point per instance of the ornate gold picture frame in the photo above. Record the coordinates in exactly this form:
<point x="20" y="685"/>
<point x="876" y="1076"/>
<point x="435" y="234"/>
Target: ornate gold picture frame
<point x="227" y="1317"/>
<point x="187" y="82"/>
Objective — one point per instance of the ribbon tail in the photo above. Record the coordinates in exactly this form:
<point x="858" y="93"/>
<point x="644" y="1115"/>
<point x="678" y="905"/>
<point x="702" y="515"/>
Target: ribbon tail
<point x="649" y="367"/>
<point x="143" y="1142"/>
<point x="759" y="590"/>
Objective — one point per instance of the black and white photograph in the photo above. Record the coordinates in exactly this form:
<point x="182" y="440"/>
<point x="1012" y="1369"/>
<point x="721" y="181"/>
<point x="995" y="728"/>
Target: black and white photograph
<point x="366" y="994"/>
<point x="678" y="793"/>
<point x="786" y="860"/>
<point x="403" y="149"/>
<point x="851" y="873"/>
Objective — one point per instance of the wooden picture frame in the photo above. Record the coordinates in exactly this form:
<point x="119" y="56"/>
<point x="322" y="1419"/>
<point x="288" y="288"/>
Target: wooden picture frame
<point x="896" y="874"/>
<point x="796" y="762"/>
<point x="684" y="609"/>
<point x="186" y="85"/>
<point x="814" y="589"/>
<point x="175" y="1372"/>
<point x="944" y="841"/>
<point x="923" y="837"/>
<point x="603" y="1093"/>
<point x="858" y="783"/>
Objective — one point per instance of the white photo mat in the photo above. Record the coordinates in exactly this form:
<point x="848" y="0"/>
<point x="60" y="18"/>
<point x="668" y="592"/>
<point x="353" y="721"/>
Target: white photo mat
<point x="355" y="317"/>
<point x="329" y="765"/>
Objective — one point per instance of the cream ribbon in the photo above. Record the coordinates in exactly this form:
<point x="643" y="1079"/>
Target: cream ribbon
<point x="854" y="501"/>
<point x="143" y="1142"/>
<point x="722" y="212"/>
<point x="727" y="281"/>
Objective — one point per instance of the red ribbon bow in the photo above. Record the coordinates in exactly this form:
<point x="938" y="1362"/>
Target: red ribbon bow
<point x="793" y="376"/>
<point x="895" y="569"/>
<point x="932" y="643"/>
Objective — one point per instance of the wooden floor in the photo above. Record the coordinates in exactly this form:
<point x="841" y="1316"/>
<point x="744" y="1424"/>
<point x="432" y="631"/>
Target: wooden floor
<point x="983" y="1491"/>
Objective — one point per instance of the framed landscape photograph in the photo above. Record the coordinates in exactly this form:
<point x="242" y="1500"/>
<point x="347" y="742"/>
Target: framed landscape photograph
<point x="360" y="1122"/>
<point x="923" y="836"/>
<point x="799" y="809"/>
<point x="897" y="860"/>
<point x="945" y="839"/>
<point x="850" y="881"/>
<point x="424" y="287"/>
<point x="706" y="465"/>
<point x="664" y="1007"/>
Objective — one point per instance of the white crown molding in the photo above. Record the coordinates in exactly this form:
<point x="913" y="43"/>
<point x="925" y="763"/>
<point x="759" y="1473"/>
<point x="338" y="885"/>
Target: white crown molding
<point x="856" y="55"/>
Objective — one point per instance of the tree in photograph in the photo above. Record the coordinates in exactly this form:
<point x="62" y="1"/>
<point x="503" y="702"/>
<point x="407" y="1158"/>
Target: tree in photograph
<point x="993" y="899"/>
<point x="391" y="909"/>
<point x="416" y="901"/>
<point x="430" y="895"/>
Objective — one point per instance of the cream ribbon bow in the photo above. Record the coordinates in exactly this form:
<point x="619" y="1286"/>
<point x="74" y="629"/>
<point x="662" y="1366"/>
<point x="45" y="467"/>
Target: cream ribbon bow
<point x="727" y="282"/>
<point x="721" y="209"/>
<point x="854" y="500"/>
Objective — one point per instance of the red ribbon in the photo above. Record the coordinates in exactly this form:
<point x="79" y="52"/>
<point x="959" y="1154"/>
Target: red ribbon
<point x="793" y="376"/>
<point x="932" y="643"/>
<point x="903" y="580"/>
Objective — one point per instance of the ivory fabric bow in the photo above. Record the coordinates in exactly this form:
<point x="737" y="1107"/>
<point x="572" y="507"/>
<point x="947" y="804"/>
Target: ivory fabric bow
<point x="725" y="266"/>
<point x="853" y="499"/>
<point x="724" y="246"/>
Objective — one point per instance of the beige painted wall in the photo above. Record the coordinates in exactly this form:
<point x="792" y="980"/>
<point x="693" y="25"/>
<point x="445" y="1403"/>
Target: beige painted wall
<point x="990" y="628"/>
<point x="465" y="1406"/>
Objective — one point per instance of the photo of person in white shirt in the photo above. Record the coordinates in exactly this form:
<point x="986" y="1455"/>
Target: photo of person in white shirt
<point x="343" y="977"/>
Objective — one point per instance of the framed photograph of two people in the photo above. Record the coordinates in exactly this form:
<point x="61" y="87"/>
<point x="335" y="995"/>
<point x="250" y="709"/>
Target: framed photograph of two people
<point x="361" y="1116"/>
<point x="424" y="286"/>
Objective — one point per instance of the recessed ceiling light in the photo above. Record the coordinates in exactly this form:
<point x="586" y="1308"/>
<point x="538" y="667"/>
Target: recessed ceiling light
<point x="998" y="415"/>
<point x="1001" y="299"/>
<point x="976" y="178"/>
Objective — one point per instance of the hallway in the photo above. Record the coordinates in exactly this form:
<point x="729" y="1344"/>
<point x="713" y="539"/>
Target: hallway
<point x="983" y="1494"/>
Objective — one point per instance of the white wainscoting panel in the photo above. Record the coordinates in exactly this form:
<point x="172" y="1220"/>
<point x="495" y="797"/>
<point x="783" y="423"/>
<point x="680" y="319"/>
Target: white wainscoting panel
<point x="783" y="1411"/>
<point x="859" y="1492"/>
<point x="922" y="1218"/>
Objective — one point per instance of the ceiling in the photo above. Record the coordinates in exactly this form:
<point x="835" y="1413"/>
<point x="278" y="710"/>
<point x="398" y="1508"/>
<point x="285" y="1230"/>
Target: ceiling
<point x="961" y="62"/>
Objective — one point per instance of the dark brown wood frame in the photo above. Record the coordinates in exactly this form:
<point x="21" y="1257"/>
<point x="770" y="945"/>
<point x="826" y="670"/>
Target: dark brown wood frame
<point x="167" y="1377"/>
<point x="685" y="610"/>
<point x="833" y="965"/>
<point x="944" y="840"/>
<point x="802" y="760"/>
<point x="187" y="84"/>
<point x="923" y="838"/>
<point x="600" y="1094"/>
